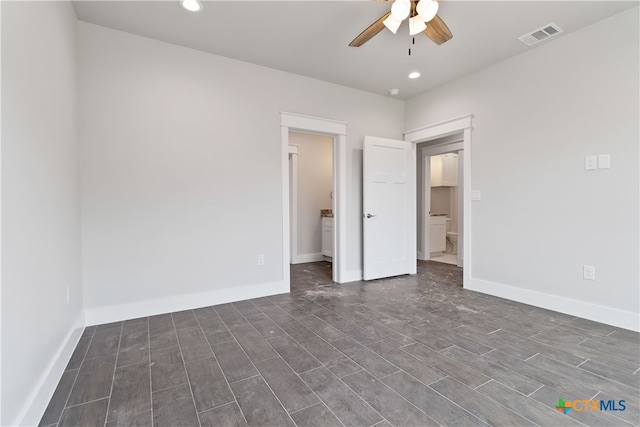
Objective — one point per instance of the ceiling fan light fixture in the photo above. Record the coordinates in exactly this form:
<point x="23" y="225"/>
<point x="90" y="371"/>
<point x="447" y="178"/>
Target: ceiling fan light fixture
<point x="436" y="29"/>
<point x="427" y="9"/>
<point x="416" y="25"/>
<point x="392" y="23"/>
<point x="191" y="5"/>
<point x="400" y="9"/>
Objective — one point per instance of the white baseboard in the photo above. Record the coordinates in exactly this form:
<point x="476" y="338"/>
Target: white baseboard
<point x="134" y="310"/>
<point x="598" y="313"/>
<point x="39" y="398"/>
<point x="303" y="258"/>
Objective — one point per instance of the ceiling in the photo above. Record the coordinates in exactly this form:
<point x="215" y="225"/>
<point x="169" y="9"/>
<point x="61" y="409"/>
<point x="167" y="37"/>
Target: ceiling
<point x="311" y="38"/>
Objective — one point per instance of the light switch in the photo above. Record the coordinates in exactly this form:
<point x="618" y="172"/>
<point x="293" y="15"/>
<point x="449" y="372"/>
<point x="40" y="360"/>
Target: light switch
<point x="604" y="161"/>
<point x="590" y="163"/>
<point x="476" y="195"/>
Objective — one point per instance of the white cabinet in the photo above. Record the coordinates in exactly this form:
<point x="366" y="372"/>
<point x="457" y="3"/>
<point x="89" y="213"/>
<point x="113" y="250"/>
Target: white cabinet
<point x="327" y="236"/>
<point x="444" y="170"/>
<point x="437" y="234"/>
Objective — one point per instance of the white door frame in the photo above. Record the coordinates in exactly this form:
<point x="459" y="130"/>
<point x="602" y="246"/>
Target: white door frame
<point x="293" y="202"/>
<point x="337" y="130"/>
<point x="438" y="130"/>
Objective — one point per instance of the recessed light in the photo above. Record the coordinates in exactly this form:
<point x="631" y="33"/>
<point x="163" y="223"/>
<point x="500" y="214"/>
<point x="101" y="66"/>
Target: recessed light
<point x="414" y="75"/>
<point x="394" y="92"/>
<point x="191" y="5"/>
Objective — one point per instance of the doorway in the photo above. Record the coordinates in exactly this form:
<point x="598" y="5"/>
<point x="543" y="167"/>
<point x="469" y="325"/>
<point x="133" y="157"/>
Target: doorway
<point x="310" y="197"/>
<point x="440" y="178"/>
<point x="453" y="135"/>
<point x="338" y="132"/>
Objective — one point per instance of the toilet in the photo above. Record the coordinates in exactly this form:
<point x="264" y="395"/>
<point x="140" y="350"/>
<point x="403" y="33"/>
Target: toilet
<point x="452" y="239"/>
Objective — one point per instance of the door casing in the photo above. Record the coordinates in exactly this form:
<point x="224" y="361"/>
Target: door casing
<point x="439" y="130"/>
<point x="293" y="202"/>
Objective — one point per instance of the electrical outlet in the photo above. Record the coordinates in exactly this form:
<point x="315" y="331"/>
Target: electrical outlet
<point x="589" y="272"/>
<point x="590" y="163"/>
<point x="260" y="259"/>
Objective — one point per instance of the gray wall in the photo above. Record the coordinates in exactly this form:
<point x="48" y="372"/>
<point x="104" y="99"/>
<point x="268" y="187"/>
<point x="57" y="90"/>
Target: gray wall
<point x="181" y="166"/>
<point x="542" y="216"/>
<point x="40" y="204"/>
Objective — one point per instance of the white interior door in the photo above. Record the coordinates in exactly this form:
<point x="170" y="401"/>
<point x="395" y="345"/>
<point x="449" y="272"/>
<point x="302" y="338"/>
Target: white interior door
<point x="389" y="204"/>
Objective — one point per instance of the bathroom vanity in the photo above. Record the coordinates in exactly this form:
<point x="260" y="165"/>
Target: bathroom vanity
<point x="327" y="234"/>
<point x="437" y="233"/>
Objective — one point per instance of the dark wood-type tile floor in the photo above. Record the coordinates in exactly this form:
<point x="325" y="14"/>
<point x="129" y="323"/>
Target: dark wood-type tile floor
<point x="406" y="351"/>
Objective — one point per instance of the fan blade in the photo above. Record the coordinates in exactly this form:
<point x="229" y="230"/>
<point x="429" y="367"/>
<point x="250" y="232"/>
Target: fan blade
<point x="438" y="31"/>
<point x="371" y="31"/>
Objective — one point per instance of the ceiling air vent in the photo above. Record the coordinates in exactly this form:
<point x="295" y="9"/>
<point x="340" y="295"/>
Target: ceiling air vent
<point x="540" y="34"/>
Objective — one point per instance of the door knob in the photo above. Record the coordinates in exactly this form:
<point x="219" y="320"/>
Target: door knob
<point x="370" y="216"/>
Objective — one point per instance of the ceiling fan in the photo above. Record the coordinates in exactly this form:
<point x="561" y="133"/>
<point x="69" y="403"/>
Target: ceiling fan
<point x="422" y="16"/>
